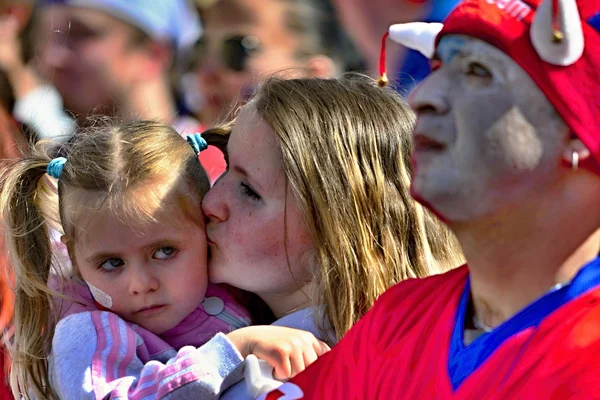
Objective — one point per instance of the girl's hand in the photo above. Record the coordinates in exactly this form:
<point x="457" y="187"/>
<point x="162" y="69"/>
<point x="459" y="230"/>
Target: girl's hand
<point x="288" y="350"/>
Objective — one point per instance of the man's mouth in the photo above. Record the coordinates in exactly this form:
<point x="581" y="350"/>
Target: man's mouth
<point x="423" y="143"/>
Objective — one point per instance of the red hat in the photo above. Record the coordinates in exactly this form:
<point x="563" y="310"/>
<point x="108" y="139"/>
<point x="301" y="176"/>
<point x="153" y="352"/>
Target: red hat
<point x="557" y="42"/>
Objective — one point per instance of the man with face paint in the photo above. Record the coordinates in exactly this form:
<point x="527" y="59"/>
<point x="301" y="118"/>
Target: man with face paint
<point x="507" y="153"/>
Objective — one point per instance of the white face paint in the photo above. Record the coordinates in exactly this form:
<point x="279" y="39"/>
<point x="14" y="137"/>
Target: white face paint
<point x="102" y="298"/>
<point x="486" y="136"/>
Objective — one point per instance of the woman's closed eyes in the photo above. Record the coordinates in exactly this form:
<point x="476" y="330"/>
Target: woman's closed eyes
<point x="249" y="192"/>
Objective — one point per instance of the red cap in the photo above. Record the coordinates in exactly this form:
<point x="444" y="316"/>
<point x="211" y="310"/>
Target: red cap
<point x="557" y="42"/>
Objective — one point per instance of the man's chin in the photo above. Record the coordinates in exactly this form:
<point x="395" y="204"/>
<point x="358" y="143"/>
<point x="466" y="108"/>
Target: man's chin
<point x="422" y="198"/>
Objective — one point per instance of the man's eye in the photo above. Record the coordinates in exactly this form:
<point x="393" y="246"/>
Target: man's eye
<point x="478" y="70"/>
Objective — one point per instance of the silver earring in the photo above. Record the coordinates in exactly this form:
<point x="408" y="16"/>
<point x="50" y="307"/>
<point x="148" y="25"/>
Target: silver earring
<point x="575" y="161"/>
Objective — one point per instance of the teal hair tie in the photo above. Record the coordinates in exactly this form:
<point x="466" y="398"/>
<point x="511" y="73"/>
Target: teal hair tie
<point x="197" y="142"/>
<point x="55" y="167"/>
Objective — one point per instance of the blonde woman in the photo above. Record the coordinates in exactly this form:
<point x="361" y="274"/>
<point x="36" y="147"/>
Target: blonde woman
<point x="314" y="214"/>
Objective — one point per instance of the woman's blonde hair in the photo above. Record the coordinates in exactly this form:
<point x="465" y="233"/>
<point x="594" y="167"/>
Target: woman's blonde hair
<point x="107" y="166"/>
<point x="346" y="146"/>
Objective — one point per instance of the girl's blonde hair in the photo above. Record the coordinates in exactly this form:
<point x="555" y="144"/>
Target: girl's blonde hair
<point x="346" y="146"/>
<point x="12" y="146"/>
<point x="107" y="168"/>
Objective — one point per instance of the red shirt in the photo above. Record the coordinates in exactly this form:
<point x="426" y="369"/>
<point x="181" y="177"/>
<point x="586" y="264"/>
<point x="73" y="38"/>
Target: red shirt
<point x="409" y="346"/>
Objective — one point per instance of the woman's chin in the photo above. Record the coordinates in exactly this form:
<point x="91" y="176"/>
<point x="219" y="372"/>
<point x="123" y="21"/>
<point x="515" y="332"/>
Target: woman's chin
<point x="214" y="276"/>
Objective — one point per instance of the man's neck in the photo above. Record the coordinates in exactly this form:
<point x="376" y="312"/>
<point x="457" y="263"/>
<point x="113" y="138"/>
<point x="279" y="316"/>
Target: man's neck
<point x="516" y="256"/>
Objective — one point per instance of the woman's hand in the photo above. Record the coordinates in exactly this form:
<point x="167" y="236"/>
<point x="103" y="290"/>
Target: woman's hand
<point x="288" y="350"/>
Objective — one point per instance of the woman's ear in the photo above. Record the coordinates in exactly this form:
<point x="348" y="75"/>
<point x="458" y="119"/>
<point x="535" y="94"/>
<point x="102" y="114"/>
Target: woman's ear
<point x="320" y="66"/>
<point x="575" y="152"/>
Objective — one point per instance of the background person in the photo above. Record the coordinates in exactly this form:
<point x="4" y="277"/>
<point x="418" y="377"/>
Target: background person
<point x="245" y="41"/>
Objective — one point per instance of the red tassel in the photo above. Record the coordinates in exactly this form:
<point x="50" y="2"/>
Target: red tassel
<point x="383" y="79"/>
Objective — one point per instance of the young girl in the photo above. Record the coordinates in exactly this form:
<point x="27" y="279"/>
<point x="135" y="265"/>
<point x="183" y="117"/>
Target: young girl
<point x="136" y="315"/>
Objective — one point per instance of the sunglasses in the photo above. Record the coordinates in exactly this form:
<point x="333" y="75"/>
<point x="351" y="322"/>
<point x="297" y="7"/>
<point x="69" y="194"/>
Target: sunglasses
<point x="235" y="51"/>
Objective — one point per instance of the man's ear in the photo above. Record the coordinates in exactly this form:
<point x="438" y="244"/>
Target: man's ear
<point x="575" y="152"/>
<point x="320" y="66"/>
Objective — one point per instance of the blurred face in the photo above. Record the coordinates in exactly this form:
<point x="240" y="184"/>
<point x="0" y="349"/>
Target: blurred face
<point x="88" y="55"/>
<point x="248" y="209"/>
<point x="366" y="20"/>
<point x="486" y="136"/>
<point x="154" y="274"/>
<point x="240" y="52"/>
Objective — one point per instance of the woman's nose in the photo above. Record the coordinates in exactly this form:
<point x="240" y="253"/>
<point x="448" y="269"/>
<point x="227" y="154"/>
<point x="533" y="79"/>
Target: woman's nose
<point x="214" y="204"/>
<point x="208" y="71"/>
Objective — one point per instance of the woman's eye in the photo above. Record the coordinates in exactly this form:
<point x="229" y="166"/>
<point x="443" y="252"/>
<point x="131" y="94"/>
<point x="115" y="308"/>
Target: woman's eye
<point x="164" y="253"/>
<point x="249" y="192"/>
<point x="112" y="264"/>
<point x="478" y="70"/>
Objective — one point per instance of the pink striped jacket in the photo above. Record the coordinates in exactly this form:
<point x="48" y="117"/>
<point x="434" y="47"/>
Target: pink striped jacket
<point x="98" y="355"/>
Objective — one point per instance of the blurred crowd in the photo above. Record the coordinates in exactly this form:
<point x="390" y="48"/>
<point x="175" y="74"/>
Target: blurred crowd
<point x="188" y="63"/>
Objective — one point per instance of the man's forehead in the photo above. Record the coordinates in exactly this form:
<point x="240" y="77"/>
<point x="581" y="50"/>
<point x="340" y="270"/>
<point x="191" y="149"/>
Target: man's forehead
<point x="452" y="46"/>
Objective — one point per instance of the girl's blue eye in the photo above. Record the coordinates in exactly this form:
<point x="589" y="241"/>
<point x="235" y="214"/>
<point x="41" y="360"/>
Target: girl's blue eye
<point x="164" y="253"/>
<point x="249" y="192"/>
<point x="112" y="264"/>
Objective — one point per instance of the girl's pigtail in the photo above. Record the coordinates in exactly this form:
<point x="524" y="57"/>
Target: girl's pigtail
<point x="29" y="248"/>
